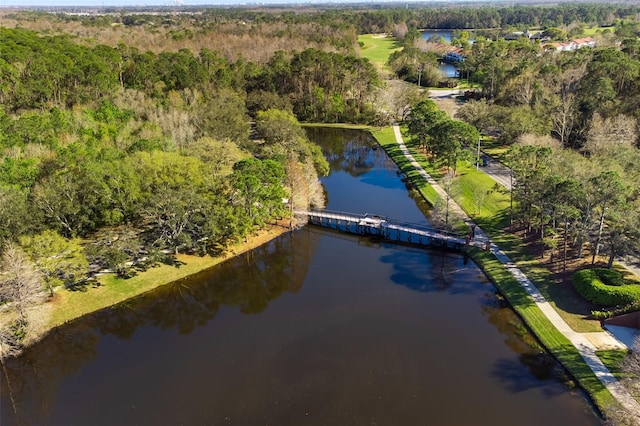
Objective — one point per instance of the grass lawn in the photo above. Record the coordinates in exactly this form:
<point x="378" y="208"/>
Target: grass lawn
<point x="474" y="191"/>
<point x="68" y="305"/>
<point x="591" y="31"/>
<point x="478" y="195"/>
<point x="464" y="84"/>
<point x="377" y="48"/>
<point x="613" y="360"/>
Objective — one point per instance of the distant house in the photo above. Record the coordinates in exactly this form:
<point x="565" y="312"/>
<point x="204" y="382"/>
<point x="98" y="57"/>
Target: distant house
<point x="516" y="35"/>
<point x="571" y="45"/>
<point x="585" y="42"/>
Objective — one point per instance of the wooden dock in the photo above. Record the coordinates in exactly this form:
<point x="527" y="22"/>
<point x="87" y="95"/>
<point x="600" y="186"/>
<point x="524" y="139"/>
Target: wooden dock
<point x="389" y="229"/>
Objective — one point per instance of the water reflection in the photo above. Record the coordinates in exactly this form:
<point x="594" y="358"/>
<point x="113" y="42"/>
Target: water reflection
<point x="435" y="273"/>
<point x="248" y="283"/>
<point x="350" y="151"/>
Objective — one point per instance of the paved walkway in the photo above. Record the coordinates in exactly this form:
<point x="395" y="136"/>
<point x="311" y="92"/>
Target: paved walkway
<point x="582" y="342"/>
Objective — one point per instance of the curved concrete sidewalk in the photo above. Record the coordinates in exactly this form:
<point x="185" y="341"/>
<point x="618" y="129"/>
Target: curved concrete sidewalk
<point x="585" y="347"/>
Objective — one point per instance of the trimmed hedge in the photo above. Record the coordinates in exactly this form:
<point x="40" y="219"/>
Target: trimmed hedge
<point x="605" y="287"/>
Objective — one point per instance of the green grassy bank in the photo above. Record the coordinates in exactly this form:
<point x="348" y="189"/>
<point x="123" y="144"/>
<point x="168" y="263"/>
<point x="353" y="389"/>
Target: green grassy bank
<point x="110" y="290"/>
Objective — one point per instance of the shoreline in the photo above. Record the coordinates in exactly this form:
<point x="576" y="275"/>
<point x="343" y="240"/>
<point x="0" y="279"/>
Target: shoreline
<point x="110" y="291"/>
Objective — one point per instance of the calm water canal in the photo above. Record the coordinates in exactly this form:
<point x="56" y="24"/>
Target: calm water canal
<point x="315" y="328"/>
<point x="438" y="36"/>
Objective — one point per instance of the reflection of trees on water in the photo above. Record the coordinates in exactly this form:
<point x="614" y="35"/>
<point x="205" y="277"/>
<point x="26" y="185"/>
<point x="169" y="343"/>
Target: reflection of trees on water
<point x="351" y="151"/>
<point x="517" y="379"/>
<point x="425" y="270"/>
<point x="439" y="272"/>
<point x="539" y="365"/>
<point x="29" y="390"/>
<point x="303" y="250"/>
<point x="249" y="282"/>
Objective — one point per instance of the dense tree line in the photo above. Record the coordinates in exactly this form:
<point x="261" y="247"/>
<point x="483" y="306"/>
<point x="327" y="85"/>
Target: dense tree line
<point x="524" y="16"/>
<point x="338" y="87"/>
<point x="573" y="201"/>
<point x="573" y="95"/>
<point x="234" y="33"/>
<point x="255" y="34"/>
<point x="111" y="156"/>
<point x="570" y="119"/>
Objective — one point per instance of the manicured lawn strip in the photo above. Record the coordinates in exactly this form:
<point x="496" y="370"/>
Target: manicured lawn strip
<point x="377" y="48"/>
<point x="494" y="210"/>
<point x="569" y="305"/>
<point x="387" y="140"/>
<point x="69" y="305"/>
<point x="555" y="342"/>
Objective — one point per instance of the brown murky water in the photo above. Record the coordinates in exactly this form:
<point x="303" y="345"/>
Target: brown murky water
<point x="314" y="328"/>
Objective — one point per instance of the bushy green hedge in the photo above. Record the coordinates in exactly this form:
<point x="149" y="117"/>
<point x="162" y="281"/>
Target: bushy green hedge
<point x="605" y="287"/>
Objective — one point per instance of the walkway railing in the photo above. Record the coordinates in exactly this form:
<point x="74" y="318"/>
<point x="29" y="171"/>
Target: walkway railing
<point x="391" y="229"/>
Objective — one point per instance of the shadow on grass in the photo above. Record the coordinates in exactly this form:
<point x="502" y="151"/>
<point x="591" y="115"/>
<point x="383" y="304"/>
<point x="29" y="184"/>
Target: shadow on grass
<point x="397" y="44"/>
<point x="495" y="224"/>
<point x="561" y="293"/>
<point x="84" y="285"/>
<point x="172" y="261"/>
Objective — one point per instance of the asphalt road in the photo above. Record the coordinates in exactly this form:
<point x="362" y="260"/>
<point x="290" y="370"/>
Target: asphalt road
<point x="498" y="171"/>
<point x="445" y="93"/>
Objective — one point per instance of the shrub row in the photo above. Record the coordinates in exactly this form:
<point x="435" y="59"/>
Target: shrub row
<point x="611" y="312"/>
<point x="605" y="287"/>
